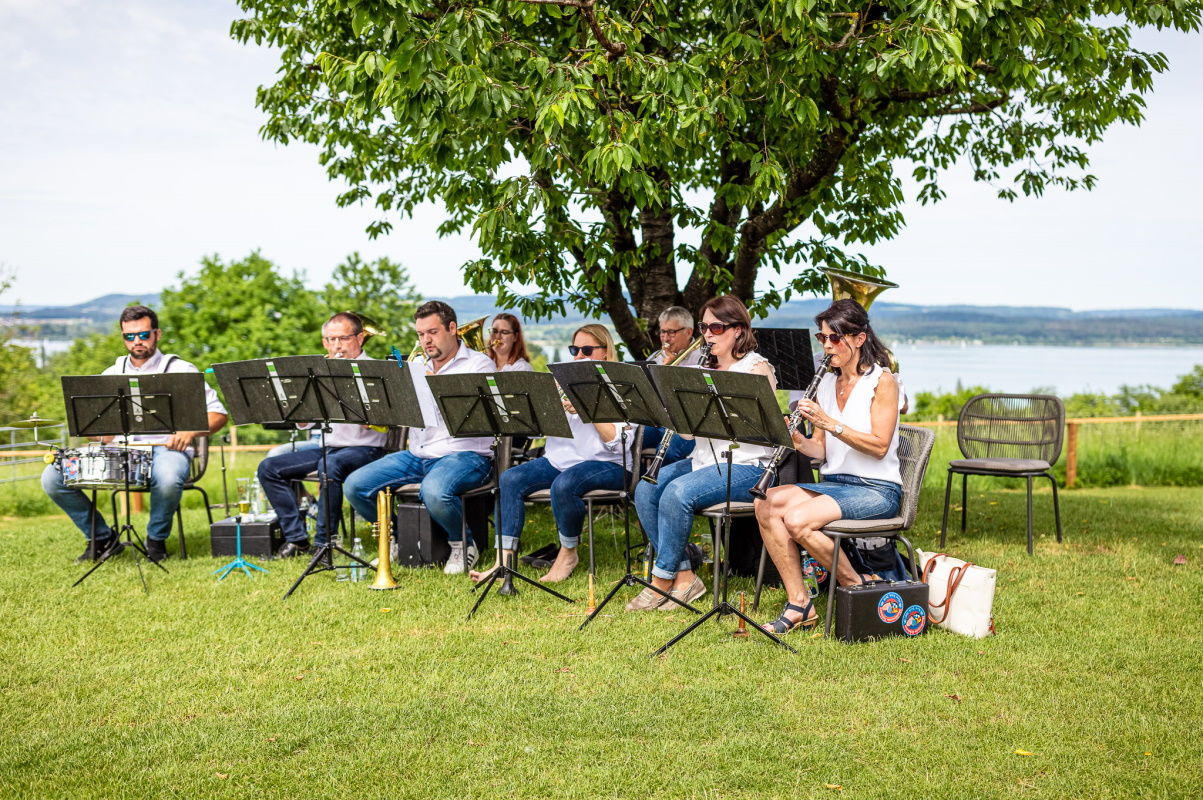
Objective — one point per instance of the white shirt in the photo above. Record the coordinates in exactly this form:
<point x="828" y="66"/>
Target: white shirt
<point x="708" y="452"/>
<point x="842" y="459"/>
<point x="435" y="441"/>
<point x="162" y="363"/>
<point x="586" y="445"/>
<point x="521" y="365"/>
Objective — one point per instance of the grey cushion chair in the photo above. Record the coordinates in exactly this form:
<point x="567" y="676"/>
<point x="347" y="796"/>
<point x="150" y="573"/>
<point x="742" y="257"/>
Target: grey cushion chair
<point x="196" y="471"/>
<point x="914" y="451"/>
<point x="1007" y="436"/>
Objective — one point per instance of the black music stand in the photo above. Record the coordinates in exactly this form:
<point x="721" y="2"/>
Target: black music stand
<point x="788" y="350"/>
<point x="322" y="391"/>
<point x="121" y="405"/>
<point x="730" y="406"/>
<point x="604" y="391"/>
<point x="501" y="404"/>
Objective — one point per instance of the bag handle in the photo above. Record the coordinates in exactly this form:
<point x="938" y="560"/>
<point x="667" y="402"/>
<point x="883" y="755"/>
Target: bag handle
<point x="931" y="565"/>
<point x="954" y="581"/>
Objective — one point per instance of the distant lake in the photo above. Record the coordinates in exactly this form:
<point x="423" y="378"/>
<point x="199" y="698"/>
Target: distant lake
<point x="1021" y="368"/>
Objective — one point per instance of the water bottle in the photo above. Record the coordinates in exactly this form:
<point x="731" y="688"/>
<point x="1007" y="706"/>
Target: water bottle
<point x="357" y="551"/>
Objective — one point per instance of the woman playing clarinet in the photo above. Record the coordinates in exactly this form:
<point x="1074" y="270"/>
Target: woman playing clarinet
<point x="855" y="419"/>
<point x="666" y="508"/>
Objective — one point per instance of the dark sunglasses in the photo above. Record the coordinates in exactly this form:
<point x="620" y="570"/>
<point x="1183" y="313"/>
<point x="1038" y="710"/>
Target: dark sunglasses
<point x="834" y="338"/>
<point x="586" y="349"/>
<point x="716" y="327"/>
<point x="143" y="335"/>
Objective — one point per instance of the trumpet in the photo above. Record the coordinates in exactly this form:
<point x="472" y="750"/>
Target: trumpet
<point x="384" y="531"/>
<point x="653" y="469"/>
<point x="795" y="422"/>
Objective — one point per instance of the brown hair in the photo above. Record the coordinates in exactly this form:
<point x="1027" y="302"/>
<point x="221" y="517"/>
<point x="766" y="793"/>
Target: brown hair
<point x="730" y="309"/>
<point x="602" y="334"/>
<point x="445" y="312"/>
<point x="849" y="318"/>
<point x="519" y="350"/>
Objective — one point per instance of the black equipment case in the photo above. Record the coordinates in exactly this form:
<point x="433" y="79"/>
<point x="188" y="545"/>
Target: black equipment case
<point x="880" y="608"/>
<point x="419" y="541"/>
<point x="258" y="538"/>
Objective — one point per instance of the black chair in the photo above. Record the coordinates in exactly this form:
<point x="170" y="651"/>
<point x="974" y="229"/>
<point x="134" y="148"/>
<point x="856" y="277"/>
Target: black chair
<point x="394" y="441"/>
<point x="196" y="471"/>
<point x="914" y="451"/>
<point x="1007" y="436"/>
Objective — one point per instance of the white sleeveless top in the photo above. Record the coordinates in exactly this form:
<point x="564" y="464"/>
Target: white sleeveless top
<point x="708" y="452"/>
<point x="842" y="459"/>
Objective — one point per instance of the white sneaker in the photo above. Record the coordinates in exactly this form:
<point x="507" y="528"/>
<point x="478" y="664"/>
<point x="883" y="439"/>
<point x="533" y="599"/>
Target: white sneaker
<point x="457" y="563"/>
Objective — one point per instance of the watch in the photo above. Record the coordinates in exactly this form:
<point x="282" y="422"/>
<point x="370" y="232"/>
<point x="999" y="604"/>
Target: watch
<point x="838" y="429"/>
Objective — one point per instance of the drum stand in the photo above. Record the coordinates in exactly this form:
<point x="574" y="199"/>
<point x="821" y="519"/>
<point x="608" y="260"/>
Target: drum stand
<point x="127" y="531"/>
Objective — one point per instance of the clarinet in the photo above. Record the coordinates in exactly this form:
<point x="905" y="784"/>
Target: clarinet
<point x="653" y="469"/>
<point x="796" y="422"/>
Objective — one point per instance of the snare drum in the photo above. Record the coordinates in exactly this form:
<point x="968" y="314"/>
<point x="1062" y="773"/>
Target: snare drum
<point x="100" y="466"/>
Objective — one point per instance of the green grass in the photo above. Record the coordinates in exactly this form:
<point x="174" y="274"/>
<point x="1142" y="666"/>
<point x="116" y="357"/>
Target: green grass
<point x="223" y="690"/>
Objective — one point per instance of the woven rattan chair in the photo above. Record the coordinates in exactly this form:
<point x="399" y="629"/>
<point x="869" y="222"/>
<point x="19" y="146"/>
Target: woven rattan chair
<point x="1007" y="436"/>
<point x="914" y="451"/>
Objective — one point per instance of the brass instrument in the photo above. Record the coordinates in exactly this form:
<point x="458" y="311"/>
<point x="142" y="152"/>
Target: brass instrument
<point x="694" y="345"/>
<point x="653" y="469"/>
<point x="384" y="535"/>
<point x="472" y="333"/>
<point x="863" y="289"/>
<point x="795" y="421"/>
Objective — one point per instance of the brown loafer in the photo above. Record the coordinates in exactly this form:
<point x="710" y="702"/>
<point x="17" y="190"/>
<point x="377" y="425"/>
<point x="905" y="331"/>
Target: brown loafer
<point x="645" y="601"/>
<point x="686" y="595"/>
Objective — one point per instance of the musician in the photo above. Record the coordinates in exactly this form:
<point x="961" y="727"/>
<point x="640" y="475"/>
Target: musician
<point x="666" y="508"/>
<point x="171" y="453"/>
<point x="855" y="418"/>
<point x="591" y="459"/>
<point x="676" y="334"/>
<point x="445" y="466"/>
<point x="347" y="448"/>
<point x="507" y="345"/>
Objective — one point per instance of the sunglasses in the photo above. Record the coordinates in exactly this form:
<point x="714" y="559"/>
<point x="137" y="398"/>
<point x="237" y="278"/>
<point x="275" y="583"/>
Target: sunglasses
<point x="143" y="335"/>
<point x="586" y="349"/>
<point x="834" y="338"/>
<point x="716" y="327"/>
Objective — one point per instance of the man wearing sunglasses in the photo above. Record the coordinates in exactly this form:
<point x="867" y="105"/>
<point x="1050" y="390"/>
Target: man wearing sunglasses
<point x="445" y="466"/>
<point x="172" y="453"/>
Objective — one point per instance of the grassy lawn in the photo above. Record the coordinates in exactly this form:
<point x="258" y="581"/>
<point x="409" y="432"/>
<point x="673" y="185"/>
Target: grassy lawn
<point x="207" y="689"/>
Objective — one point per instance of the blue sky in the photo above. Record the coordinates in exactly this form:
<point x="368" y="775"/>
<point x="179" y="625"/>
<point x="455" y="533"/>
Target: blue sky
<point x="129" y="148"/>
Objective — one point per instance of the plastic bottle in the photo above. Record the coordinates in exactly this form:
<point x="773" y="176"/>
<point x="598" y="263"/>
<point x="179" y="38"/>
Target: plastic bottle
<point x="357" y="551"/>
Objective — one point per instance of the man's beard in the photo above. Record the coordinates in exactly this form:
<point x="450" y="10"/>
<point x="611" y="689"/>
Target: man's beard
<point x="142" y="352"/>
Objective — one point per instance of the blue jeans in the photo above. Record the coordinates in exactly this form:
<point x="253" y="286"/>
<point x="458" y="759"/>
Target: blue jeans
<point x="168" y="471"/>
<point x="679" y="448"/>
<point x="443" y="481"/>
<point x="666" y="508"/>
<point x="277" y="473"/>
<point x="292" y="447"/>
<point x="567" y="489"/>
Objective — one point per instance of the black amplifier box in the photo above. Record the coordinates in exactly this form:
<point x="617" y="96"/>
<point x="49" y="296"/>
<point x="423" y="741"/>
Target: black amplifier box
<point x="258" y="538"/>
<point x="880" y="608"/>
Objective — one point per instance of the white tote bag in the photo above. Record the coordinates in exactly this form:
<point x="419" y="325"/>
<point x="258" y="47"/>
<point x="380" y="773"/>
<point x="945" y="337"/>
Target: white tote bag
<point x="960" y="594"/>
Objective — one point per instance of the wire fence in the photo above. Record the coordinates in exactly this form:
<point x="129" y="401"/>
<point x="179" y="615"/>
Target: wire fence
<point x="19" y="448"/>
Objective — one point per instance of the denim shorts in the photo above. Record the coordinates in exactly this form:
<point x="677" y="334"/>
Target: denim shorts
<point x="860" y="498"/>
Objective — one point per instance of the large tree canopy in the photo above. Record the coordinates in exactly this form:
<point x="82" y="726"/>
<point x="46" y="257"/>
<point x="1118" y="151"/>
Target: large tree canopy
<point x="596" y="150"/>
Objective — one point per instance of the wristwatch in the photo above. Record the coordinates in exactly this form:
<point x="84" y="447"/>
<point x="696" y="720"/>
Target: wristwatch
<point x="838" y="429"/>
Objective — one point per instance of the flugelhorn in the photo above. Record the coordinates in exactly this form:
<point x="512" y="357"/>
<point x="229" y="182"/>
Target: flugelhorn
<point x="384" y="535"/>
<point x="653" y="469"/>
<point x="795" y="422"/>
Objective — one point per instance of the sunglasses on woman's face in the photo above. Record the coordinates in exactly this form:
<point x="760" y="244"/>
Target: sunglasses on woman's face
<point x="143" y="335"/>
<point x="586" y="349"/>
<point x="716" y="327"/>
<point x="834" y="338"/>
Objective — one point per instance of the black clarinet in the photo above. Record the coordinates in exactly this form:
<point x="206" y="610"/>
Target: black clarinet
<point x="653" y="469"/>
<point x="795" y="422"/>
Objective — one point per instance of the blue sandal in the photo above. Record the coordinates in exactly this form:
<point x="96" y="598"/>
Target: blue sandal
<point x="784" y="624"/>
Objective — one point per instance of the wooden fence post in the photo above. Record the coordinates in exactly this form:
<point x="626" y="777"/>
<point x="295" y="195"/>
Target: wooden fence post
<point x="1071" y="455"/>
<point x="233" y="444"/>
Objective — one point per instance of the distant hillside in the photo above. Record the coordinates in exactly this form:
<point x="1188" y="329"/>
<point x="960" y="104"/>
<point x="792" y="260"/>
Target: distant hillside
<point x="1048" y="325"/>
